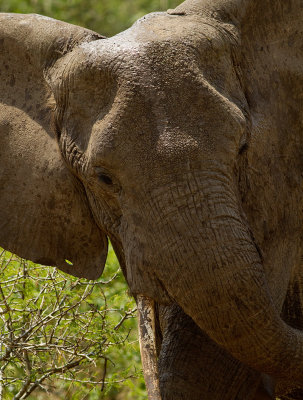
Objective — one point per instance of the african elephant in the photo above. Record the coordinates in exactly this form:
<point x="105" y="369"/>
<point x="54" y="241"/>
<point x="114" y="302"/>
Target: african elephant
<point x="180" y="139"/>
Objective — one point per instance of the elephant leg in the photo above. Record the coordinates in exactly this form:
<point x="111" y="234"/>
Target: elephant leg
<point x="193" y="367"/>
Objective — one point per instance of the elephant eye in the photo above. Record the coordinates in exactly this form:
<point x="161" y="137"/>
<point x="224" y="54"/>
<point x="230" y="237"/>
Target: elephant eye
<point x="105" y="179"/>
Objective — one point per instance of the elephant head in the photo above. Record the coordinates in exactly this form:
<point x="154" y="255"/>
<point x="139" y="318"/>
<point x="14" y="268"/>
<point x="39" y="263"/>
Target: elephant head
<point x="140" y="138"/>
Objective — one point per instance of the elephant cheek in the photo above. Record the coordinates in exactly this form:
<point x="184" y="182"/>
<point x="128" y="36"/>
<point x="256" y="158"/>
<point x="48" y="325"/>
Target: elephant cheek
<point x="140" y="273"/>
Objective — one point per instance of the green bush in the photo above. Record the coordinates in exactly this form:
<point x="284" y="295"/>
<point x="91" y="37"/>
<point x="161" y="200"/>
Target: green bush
<point x="69" y="336"/>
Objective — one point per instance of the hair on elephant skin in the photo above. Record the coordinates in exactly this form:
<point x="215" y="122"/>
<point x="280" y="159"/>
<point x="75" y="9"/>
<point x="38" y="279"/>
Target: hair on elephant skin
<point x="181" y="141"/>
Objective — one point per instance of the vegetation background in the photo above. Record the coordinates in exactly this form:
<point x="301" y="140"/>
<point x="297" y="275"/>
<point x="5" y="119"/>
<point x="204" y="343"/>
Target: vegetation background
<point x="123" y="373"/>
<point x="107" y="17"/>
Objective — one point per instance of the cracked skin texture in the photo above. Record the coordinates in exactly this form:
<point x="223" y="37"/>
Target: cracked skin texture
<point x="180" y="139"/>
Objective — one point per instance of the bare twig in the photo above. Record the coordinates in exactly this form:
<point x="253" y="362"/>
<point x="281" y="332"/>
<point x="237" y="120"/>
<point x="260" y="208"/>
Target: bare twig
<point x="48" y="329"/>
<point x="104" y="374"/>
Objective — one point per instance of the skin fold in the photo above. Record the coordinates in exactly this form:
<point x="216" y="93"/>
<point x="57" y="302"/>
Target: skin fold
<point x="180" y="140"/>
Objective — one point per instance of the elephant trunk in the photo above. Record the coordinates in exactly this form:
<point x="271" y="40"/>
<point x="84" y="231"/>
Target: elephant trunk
<point x="216" y="275"/>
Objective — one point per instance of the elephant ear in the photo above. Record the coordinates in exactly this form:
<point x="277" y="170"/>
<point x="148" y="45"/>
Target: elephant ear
<point x="44" y="214"/>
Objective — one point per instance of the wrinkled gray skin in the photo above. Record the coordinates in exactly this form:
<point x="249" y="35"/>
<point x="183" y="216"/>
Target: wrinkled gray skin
<point x="182" y="142"/>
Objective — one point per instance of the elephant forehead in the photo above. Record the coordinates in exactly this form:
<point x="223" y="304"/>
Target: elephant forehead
<point x="162" y="83"/>
<point x="157" y="47"/>
<point x="169" y="61"/>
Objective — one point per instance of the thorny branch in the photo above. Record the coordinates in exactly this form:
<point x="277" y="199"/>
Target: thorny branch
<point x="49" y="327"/>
